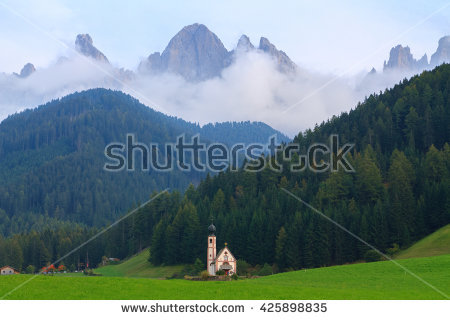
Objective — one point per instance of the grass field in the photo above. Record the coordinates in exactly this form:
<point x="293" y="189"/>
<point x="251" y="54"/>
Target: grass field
<point x="378" y="280"/>
<point x="435" y="244"/>
<point x="139" y="267"/>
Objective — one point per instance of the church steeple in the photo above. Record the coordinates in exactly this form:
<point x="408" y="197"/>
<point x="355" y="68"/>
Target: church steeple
<point x="211" y="254"/>
<point x="224" y="260"/>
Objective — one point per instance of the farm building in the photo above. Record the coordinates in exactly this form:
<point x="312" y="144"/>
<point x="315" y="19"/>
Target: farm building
<point x="6" y="270"/>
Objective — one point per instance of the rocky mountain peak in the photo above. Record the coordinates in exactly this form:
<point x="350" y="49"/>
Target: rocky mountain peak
<point x="422" y="63"/>
<point x="85" y="46"/>
<point x="197" y="54"/>
<point x="400" y="58"/>
<point x="244" y="44"/>
<point x="152" y="64"/>
<point x="27" y="70"/>
<point x="284" y="63"/>
<point x="442" y="53"/>
<point x="265" y="45"/>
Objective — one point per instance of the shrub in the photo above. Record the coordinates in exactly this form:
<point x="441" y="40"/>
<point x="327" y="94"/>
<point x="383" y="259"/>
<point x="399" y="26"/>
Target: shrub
<point x="275" y="268"/>
<point x="90" y="273"/>
<point x="189" y="270"/>
<point x="30" y="269"/>
<point x="175" y="276"/>
<point x="243" y="267"/>
<point x="235" y="276"/>
<point x="198" y="266"/>
<point x="62" y="268"/>
<point x="392" y="251"/>
<point x="266" y="270"/>
<point x="255" y="270"/>
<point x="220" y="273"/>
<point x="372" y="256"/>
<point x="204" y="275"/>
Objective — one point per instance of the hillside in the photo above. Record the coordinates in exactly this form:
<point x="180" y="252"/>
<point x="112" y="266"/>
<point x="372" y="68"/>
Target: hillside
<point x="52" y="158"/>
<point x="398" y="194"/>
<point x="437" y="243"/>
<point x="138" y="266"/>
<point x="378" y="280"/>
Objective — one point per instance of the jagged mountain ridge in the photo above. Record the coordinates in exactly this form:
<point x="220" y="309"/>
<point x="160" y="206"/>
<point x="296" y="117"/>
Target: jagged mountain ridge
<point x="442" y="53"/>
<point x="401" y="58"/>
<point x="196" y="53"/>
<point x="85" y="45"/>
<point x="26" y="71"/>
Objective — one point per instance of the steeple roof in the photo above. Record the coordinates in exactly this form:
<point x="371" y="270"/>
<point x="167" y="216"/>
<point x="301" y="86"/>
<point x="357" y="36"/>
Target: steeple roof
<point x="212" y="230"/>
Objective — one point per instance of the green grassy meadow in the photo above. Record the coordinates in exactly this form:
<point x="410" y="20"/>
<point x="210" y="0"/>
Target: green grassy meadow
<point x="437" y="243"/>
<point x="139" y="267"/>
<point x="377" y="280"/>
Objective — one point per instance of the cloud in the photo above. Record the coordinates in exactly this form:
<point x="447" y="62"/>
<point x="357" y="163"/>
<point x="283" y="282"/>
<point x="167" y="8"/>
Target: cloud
<point x="252" y="88"/>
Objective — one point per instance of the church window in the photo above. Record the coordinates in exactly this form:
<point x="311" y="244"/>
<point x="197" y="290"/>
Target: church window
<point x="210" y="240"/>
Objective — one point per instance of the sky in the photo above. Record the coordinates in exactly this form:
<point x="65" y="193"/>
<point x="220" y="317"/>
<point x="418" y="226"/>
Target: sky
<point x="327" y="36"/>
<point x="334" y="44"/>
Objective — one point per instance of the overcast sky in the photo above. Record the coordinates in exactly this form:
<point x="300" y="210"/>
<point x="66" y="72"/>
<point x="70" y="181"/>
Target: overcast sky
<point x="323" y="36"/>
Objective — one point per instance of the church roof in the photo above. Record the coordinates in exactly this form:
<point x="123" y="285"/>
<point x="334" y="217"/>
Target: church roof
<point x="220" y="252"/>
<point x="6" y="267"/>
<point x="226" y="266"/>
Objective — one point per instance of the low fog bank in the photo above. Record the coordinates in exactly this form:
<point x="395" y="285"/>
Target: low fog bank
<point x="252" y="88"/>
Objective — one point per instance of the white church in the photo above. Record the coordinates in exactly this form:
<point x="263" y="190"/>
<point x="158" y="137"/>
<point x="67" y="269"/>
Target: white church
<point x="224" y="260"/>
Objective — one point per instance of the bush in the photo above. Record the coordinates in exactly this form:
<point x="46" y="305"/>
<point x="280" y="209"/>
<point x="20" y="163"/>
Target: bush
<point x="198" y="266"/>
<point x="235" y="276"/>
<point x="275" y="268"/>
<point x="372" y="256"/>
<point x="88" y="272"/>
<point x="220" y="273"/>
<point x="266" y="270"/>
<point x="204" y="275"/>
<point x="255" y="270"/>
<point x="30" y="269"/>
<point x="175" y="276"/>
<point x="243" y="267"/>
<point x="189" y="270"/>
<point x="392" y="251"/>
<point x="193" y="269"/>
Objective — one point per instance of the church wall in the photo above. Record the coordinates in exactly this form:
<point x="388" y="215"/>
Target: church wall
<point x="231" y="260"/>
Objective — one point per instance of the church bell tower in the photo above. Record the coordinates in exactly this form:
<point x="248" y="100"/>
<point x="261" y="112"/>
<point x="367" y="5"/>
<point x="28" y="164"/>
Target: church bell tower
<point x="211" y="267"/>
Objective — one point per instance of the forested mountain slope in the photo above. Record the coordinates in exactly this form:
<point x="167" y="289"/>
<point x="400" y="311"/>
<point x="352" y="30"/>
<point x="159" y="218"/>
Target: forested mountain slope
<point x="52" y="158"/>
<point x="399" y="193"/>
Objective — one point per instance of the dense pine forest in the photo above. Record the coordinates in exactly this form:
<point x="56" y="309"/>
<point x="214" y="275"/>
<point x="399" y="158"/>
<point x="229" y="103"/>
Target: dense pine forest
<point x="400" y="192"/>
<point x="52" y="159"/>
